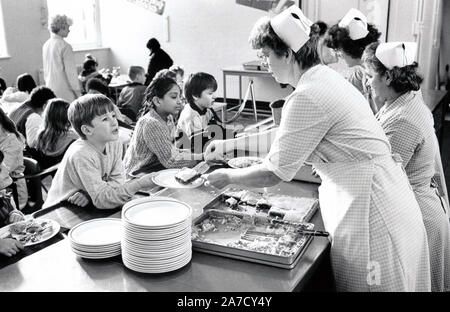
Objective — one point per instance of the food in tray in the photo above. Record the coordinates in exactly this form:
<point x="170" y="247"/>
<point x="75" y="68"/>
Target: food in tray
<point x="263" y="204"/>
<point x="187" y="175"/>
<point x="232" y="203"/>
<point x="244" y="162"/>
<point x="30" y="231"/>
<point x="249" y="233"/>
<point x="288" y="208"/>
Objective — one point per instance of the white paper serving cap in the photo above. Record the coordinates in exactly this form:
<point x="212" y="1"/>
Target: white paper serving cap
<point x="356" y="23"/>
<point x="293" y="27"/>
<point x="398" y="54"/>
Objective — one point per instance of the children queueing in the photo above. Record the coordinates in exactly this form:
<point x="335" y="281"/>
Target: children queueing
<point x="92" y="166"/>
<point x="132" y="96"/>
<point x="152" y="146"/>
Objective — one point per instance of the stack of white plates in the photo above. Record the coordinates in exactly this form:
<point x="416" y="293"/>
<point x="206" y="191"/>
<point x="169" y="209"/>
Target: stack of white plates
<point x="156" y="235"/>
<point x="97" y="238"/>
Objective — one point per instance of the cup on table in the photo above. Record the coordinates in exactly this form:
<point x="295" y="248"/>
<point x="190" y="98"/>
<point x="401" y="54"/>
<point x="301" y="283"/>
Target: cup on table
<point x="277" y="108"/>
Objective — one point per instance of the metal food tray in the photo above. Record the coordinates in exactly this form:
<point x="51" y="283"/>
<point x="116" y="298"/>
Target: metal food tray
<point x="218" y="241"/>
<point x="218" y="203"/>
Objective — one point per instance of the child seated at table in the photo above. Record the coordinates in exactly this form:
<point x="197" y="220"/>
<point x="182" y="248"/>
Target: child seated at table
<point x="8" y="213"/>
<point x="56" y="134"/>
<point x="93" y="164"/>
<point x="198" y="117"/>
<point x="89" y="71"/>
<point x="132" y="96"/>
<point x="152" y="145"/>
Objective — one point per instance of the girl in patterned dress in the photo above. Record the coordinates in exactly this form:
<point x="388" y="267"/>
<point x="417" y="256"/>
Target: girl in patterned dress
<point x="408" y="124"/>
<point x="349" y="38"/>
<point x="379" y="241"/>
<point x="152" y="146"/>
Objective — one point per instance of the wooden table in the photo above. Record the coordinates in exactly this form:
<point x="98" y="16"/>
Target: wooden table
<point x="57" y="268"/>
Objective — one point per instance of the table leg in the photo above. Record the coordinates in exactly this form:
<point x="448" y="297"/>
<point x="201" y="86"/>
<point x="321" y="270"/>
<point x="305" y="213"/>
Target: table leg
<point x="224" y="108"/>
<point x="252" y="92"/>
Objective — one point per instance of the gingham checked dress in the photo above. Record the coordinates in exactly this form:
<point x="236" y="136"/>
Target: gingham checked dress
<point x="379" y="241"/>
<point x="408" y="124"/>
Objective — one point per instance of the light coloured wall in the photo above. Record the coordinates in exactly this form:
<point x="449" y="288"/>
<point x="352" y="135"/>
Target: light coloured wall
<point x="205" y="35"/>
<point x="25" y="36"/>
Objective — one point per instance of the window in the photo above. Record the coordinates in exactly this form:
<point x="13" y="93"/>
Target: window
<point x="3" y="49"/>
<point x="85" y="31"/>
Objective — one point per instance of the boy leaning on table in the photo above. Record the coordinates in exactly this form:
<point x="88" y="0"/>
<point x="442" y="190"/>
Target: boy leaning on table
<point x="92" y="170"/>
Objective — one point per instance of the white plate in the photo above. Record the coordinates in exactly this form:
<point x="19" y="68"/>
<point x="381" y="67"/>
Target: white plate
<point x="166" y="178"/>
<point x="157" y="212"/>
<point x="97" y="232"/>
<point x="244" y="162"/>
<point x="46" y="235"/>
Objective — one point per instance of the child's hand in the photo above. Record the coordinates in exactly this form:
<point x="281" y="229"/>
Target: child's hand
<point x="79" y="199"/>
<point x="9" y="247"/>
<point x="16" y="216"/>
<point x="215" y="150"/>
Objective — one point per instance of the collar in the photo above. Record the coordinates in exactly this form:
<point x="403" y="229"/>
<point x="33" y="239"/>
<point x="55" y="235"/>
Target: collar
<point x="53" y="35"/>
<point x="309" y="73"/>
<point x="198" y="110"/>
<point x="400" y="101"/>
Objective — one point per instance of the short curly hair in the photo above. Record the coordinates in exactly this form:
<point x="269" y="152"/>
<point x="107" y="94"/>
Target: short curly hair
<point x="404" y="79"/>
<point x="58" y="21"/>
<point x="263" y="35"/>
<point x="338" y="38"/>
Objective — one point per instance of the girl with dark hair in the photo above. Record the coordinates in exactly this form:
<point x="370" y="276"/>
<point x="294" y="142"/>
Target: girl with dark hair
<point x="349" y="38"/>
<point x="12" y="145"/>
<point x="14" y="97"/>
<point x="56" y="135"/>
<point x="379" y="242"/>
<point x="152" y="145"/>
<point x="408" y="123"/>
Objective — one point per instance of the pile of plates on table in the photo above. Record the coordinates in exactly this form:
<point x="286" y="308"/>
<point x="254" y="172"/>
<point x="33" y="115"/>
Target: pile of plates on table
<point x="156" y="235"/>
<point x="97" y="238"/>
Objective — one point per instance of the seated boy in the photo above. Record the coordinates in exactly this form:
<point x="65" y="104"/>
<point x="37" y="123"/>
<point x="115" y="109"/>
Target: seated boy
<point x="93" y="163"/>
<point x="198" y="115"/>
<point x="132" y="96"/>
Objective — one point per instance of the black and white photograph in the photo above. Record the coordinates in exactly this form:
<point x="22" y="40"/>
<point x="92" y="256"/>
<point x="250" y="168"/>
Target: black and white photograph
<point x="232" y="148"/>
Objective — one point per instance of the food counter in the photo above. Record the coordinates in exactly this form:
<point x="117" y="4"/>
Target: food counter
<point x="57" y="268"/>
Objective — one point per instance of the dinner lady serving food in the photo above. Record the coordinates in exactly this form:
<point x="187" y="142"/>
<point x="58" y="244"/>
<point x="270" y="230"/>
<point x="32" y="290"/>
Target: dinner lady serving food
<point x="379" y="241"/>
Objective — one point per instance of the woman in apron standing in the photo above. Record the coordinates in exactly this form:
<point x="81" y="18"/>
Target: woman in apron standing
<point x="408" y="123"/>
<point x="379" y="241"/>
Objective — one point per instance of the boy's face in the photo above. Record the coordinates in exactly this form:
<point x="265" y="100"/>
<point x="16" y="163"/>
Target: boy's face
<point x="103" y="129"/>
<point x="140" y="78"/>
<point x="171" y="102"/>
<point x="206" y="99"/>
<point x="5" y="179"/>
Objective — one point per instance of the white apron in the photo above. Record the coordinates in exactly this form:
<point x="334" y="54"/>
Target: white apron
<point x="372" y="215"/>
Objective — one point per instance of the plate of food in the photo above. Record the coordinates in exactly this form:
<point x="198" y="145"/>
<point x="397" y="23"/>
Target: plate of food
<point x="31" y="232"/>
<point x="178" y="178"/>
<point x="244" y="162"/>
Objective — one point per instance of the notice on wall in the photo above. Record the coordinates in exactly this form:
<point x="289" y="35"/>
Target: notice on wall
<point x="156" y="6"/>
<point x="274" y="6"/>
